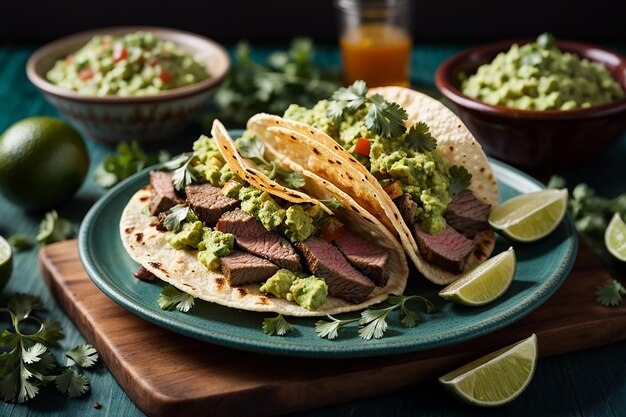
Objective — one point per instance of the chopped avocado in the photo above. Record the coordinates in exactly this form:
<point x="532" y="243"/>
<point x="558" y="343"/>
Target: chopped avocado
<point x="299" y="224"/>
<point x="189" y="236"/>
<point x="213" y="246"/>
<point x="211" y="165"/>
<point x="309" y="293"/>
<point x="261" y="205"/>
<point x="279" y="283"/>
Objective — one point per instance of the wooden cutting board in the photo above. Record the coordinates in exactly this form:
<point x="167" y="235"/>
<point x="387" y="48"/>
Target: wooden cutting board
<point x="166" y="374"/>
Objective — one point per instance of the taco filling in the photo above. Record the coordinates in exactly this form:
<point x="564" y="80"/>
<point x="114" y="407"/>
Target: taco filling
<point x="297" y="251"/>
<point x="432" y="195"/>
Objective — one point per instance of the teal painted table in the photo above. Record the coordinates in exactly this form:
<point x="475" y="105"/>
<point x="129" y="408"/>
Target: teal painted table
<point x="588" y="383"/>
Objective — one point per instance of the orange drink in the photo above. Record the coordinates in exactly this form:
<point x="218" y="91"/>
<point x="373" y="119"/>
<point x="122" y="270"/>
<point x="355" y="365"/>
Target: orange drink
<point x="378" y="53"/>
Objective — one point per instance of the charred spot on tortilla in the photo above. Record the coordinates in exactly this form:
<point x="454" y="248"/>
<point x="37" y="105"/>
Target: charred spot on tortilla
<point x="129" y="230"/>
<point x="338" y="162"/>
<point x="144" y="198"/>
<point x="263" y="300"/>
<point x="180" y="261"/>
<point x="316" y="151"/>
<point x="219" y="281"/>
<point x="139" y="237"/>
<point x="352" y="160"/>
<point x="336" y="147"/>
<point x="225" y="147"/>
<point x="242" y="292"/>
<point x="273" y="185"/>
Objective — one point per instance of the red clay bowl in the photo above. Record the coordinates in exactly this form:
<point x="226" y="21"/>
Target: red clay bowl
<point x="541" y="140"/>
<point x="148" y="119"/>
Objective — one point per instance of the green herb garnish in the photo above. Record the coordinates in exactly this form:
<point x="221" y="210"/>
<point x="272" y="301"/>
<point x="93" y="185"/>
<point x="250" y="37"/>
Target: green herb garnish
<point x="332" y="203"/>
<point x="54" y="229"/>
<point x="610" y="295"/>
<point x="276" y="326"/>
<point x="171" y="297"/>
<point x="184" y="175"/>
<point x="178" y="214"/>
<point x="128" y="160"/>
<point x="419" y="138"/>
<point x="383" y="118"/>
<point x="460" y="179"/>
<point x="28" y="365"/>
<point x="330" y="330"/>
<point x="252" y="148"/>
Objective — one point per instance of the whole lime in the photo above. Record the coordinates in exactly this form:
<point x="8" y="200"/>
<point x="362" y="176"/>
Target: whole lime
<point x="43" y="162"/>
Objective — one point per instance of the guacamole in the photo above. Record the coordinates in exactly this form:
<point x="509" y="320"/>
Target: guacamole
<point x="539" y="76"/>
<point x="423" y="175"/>
<point x="210" y="162"/>
<point x="189" y="235"/>
<point x="309" y="293"/>
<point x="135" y="64"/>
<point x="296" y="221"/>
<point x="213" y="246"/>
<point x="279" y="283"/>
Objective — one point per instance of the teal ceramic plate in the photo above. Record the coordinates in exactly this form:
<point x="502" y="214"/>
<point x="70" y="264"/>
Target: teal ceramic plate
<point x="542" y="267"/>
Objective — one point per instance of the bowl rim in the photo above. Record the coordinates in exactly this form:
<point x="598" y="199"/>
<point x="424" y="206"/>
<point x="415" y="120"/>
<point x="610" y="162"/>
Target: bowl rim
<point x="448" y="89"/>
<point x="167" y="95"/>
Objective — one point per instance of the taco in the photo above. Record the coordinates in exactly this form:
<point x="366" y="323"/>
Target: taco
<point x="425" y="177"/>
<point x="255" y="234"/>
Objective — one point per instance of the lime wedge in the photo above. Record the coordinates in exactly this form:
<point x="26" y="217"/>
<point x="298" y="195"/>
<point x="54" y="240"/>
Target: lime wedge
<point x="484" y="283"/>
<point x="615" y="237"/>
<point x="496" y="378"/>
<point x="530" y="217"/>
<point x="6" y="262"/>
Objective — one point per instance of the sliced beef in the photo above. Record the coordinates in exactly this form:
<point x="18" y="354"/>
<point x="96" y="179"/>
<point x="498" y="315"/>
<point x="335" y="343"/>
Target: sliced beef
<point x="159" y="222"/>
<point x="325" y="261"/>
<point x="467" y="214"/>
<point x="208" y="202"/>
<point x="448" y="249"/>
<point x="407" y="208"/>
<point x="163" y="195"/>
<point x="143" y="274"/>
<point x="241" y="268"/>
<point x="368" y="258"/>
<point x="252" y="237"/>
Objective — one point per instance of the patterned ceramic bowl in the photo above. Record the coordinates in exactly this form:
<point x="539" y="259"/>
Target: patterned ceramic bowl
<point x="147" y="119"/>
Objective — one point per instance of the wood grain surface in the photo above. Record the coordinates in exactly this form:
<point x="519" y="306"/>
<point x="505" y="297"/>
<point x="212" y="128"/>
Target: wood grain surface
<point x="166" y="374"/>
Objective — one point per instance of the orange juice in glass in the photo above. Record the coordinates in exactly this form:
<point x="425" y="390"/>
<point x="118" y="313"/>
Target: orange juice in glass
<point x="375" y="41"/>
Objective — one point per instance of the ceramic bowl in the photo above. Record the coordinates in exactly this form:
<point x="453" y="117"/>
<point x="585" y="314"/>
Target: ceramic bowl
<point x="541" y="140"/>
<point x="149" y="119"/>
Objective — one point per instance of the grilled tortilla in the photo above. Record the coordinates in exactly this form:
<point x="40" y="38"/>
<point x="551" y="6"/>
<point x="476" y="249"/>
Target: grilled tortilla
<point x="182" y="269"/>
<point x="314" y="150"/>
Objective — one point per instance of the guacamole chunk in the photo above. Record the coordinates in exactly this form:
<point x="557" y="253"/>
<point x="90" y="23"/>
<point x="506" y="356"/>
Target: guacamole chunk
<point x="279" y="283"/>
<point x="423" y="175"/>
<point x="213" y="246"/>
<point x="261" y="205"/>
<point x="135" y="64"/>
<point x="188" y="236"/>
<point x="539" y="76"/>
<point x="299" y="224"/>
<point x="309" y="293"/>
<point x="211" y="165"/>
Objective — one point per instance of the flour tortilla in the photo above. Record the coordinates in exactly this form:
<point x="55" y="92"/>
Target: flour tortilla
<point x="316" y="151"/>
<point x="182" y="269"/>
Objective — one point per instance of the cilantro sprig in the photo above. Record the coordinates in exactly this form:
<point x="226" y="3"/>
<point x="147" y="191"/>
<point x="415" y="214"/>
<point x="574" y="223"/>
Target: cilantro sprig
<point x="26" y="364"/>
<point x="54" y="229"/>
<point x="276" y="326"/>
<point x="419" y="138"/>
<point x="460" y="179"/>
<point x="383" y="118"/>
<point x="172" y="298"/>
<point x="610" y="295"/>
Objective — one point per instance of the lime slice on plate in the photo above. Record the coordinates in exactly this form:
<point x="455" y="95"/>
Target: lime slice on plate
<point x="484" y="283"/>
<point x="530" y="217"/>
<point x="496" y="378"/>
<point x="6" y="262"/>
<point x="615" y="237"/>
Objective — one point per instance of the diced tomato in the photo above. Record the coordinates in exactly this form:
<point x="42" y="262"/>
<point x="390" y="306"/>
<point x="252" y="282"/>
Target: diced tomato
<point x="85" y="74"/>
<point x="362" y="147"/>
<point x="166" y="76"/>
<point x="332" y="230"/>
<point x="119" y="53"/>
<point x="153" y="60"/>
<point x="393" y="190"/>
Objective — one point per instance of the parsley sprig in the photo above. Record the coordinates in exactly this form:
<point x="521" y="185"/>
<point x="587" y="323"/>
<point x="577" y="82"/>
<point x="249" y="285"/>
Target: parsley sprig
<point x="383" y="118"/>
<point x="26" y="364"/>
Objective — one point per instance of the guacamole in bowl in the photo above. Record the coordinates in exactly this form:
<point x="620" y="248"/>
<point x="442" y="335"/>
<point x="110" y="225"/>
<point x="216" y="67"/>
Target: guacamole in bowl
<point x="134" y="64"/>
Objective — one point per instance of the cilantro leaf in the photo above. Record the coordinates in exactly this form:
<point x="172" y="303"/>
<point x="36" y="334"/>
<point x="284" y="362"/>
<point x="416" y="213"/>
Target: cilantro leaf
<point x="54" y="229"/>
<point x="610" y="295"/>
<point x="385" y="118"/>
<point x="374" y="323"/>
<point x="184" y="175"/>
<point x="332" y="203"/>
<point x="178" y="214"/>
<point x="21" y="242"/>
<point x="22" y="304"/>
<point x="419" y="138"/>
<point x="84" y="356"/>
<point x="460" y="179"/>
<point x="294" y="179"/>
<point x="171" y="297"/>
<point x="329" y="330"/>
<point x="348" y="98"/>
<point x="50" y="333"/>
<point x="276" y="326"/>
<point x="176" y="162"/>
<point x="252" y="148"/>
<point x="72" y="383"/>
